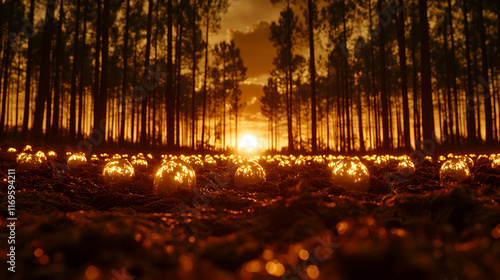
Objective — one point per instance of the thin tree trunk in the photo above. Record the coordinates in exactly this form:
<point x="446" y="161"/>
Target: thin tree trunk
<point x="144" y="107"/>
<point x="488" y="114"/>
<point x="83" y="55"/>
<point x="72" y="110"/>
<point x="454" y="73"/>
<point x="404" y="79"/>
<point x="383" y="86"/>
<point x="170" y="98"/>
<point x="425" y="64"/>
<point x="193" y="82"/>
<point x="5" y="69"/>
<point x="205" y="78"/>
<point x="103" y="92"/>
<point x="29" y="67"/>
<point x="57" y="70"/>
<point x="471" y="121"/>
<point x="312" y="70"/>
<point x="96" y="93"/>
<point x="124" y="73"/>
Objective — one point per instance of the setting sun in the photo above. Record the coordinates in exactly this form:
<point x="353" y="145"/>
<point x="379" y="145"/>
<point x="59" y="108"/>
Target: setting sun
<point x="248" y="142"/>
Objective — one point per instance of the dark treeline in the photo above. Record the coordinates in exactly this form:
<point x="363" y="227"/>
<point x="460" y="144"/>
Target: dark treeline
<point x="128" y="73"/>
<point x="390" y="74"/>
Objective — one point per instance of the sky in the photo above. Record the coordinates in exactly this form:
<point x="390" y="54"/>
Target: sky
<point x="247" y="22"/>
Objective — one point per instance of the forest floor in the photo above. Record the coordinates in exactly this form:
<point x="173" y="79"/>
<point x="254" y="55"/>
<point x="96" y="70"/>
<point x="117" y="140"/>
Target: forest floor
<point x="297" y="225"/>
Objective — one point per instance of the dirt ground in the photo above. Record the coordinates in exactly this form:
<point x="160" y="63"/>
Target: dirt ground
<point x="297" y="225"/>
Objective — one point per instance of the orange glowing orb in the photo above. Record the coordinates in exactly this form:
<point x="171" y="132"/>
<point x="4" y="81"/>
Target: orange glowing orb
<point x="352" y="174"/>
<point x="118" y="170"/>
<point x="174" y="175"/>
<point x="454" y="170"/>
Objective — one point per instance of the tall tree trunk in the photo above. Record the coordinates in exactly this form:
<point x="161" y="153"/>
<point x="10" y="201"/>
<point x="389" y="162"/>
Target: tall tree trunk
<point x="170" y="98"/>
<point x="404" y="79"/>
<point x="44" y="83"/>
<point x="97" y="59"/>
<point x="57" y="69"/>
<point x="29" y="67"/>
<point x="72" y="110"/>
<point x="178" y="57"/>
<point x="206" y="75"/>
<point x="488" y="114"/>
<point x="144" y="107"/>
<point x="454" y="72"/>
<point x="83" y="55"/>
<point x="425" y="64"/>
<point x="471" y="120"/>
<point x="103" y="92"/>
<point x="5" y="68"/>
<point x="193" y="93"/>
<point x="312" y="70"/>
<point x="449" y="123"/>
<point x="383" y="86"/>
<point x="124" y="73"/>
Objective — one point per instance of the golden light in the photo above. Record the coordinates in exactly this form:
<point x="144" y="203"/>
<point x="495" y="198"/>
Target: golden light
<point x="28" y="161"/>
<point x="248" y="142"/>
<point x="77" y="160"/>
<point x="41" y="155"/>
<point x="495" y="164"/>
<point x="352" y="174"/>
<point x="118" y="170"/>
<point x="27" y="149"/>
<point x="11" y="150"/>
<point x="52" y="155"/>
<point x="94" y="159"/>
<point x="248" y="174"/>
<point x="174" y="175"/>
<point x="454" y="170"/>
<point x="406" y="167"/>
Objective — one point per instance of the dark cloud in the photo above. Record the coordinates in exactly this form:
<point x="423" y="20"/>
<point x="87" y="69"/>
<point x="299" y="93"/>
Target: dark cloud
<point x="256" y="49"/>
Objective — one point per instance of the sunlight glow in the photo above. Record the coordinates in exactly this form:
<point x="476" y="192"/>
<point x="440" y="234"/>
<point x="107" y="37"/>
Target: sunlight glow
<point x="248" y="142"/>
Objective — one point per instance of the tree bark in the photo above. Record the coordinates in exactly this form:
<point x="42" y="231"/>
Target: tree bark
<point x="312" y="70"/>
<point x="471" y="120"/>
<point x="44" y="82"/>
<point x="403" y="72"/>
<point x="425" y="64"/>
<point x="103" y="92"/>
<point x="488" y="114"/>
<point x="170" y="98"/>
<point x="124" y="73"/>
<point x="144" y="107"/>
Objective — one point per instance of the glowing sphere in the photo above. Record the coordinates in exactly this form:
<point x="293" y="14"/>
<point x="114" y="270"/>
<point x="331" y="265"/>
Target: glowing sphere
<point x="495" y="164"/>
<point x="28" y="149"/>
<point x="118" y="170"/>
<point x="28" y="161"/>
<point x="77" y="160"/>
<point x="248" y="142"/>
<point x="454" y="170"/>
<point x="406" y="167"/>
<point x="11" y="150"/>
<point x="351" y="174"/>
<point x="52" y="155"/>
<point x="248" y="174"/>
<point x="174" y="175"/>
<point x="94" y="159"/>
<point x="140" y="164"/>
<point x="195" y="162"/>
<point x="41" y="155"/>
<point x="210" y="162"/>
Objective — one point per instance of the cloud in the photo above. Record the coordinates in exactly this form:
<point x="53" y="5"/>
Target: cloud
<point x="257" y="51"/>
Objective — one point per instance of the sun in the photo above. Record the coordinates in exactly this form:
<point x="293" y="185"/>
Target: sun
<point x="248" y="142"/>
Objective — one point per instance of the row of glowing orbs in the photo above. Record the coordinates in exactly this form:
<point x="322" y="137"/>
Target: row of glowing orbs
<point x="175" y="172"/>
